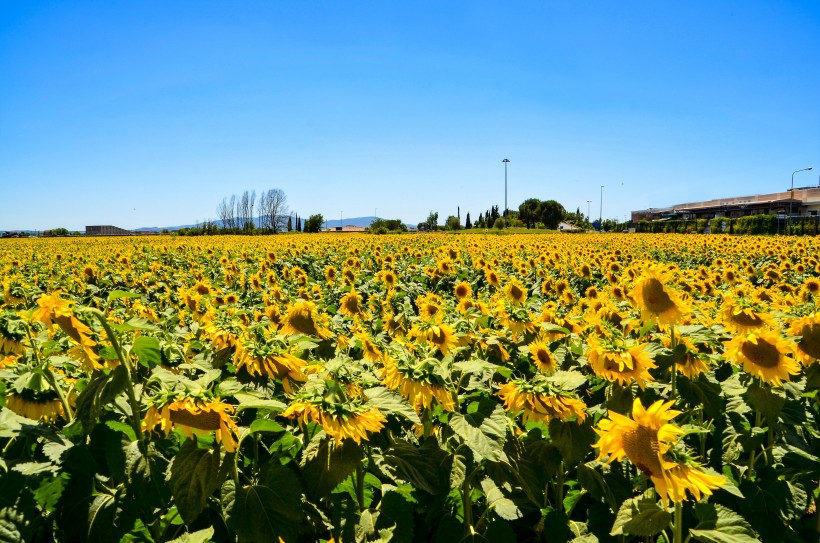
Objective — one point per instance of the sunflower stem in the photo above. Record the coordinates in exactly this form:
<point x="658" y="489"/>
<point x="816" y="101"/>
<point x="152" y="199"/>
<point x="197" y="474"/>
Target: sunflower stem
<point x="360" y="483"/>
<point x="63" y="400"/>
<point x="559" y="487"/>
<point x="674" y="368"/>
<point x="678" y="534"/>
<point x="467" y="501"/>
<point x="136" y="423"/>
<point x="753" y="455"/>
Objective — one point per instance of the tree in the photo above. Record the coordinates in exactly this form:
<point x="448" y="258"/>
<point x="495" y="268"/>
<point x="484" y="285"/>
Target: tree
<point x="290" y="224"/>
<point x="551" y="214"/>
<point x="432" y="221"/>
<point x="452" y="223"/>
<point x="480" y="222"/>
<point x="274" y="212"/>
<point x="314" y="223"/>
<point x="467" y="223"/>
<point x="530" y="211"/>
<point x="226" y="211"/>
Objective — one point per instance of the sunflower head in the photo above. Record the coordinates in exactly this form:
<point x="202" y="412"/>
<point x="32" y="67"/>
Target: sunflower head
<point x="656" y="299"/>
<point x="808" y="328"/>
<point x="764" y="354"/>
<point x="515" y="292"/>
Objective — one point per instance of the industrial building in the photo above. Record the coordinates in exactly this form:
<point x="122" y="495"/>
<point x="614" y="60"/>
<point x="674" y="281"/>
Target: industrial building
<point x="799" y="203"/>
<point x="107" y="230"/>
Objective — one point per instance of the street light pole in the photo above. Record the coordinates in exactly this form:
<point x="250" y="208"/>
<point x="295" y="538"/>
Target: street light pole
<point x="505" y="161"/>
<point x="588" y="202"/>
<point x="791" y="192"/>
<point x="601" y="212"/>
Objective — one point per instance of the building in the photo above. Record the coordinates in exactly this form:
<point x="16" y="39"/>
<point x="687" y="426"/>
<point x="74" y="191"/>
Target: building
<point x="107" y="230"/>
<point x="801" y="202"/>
<point x="348" y="228"/>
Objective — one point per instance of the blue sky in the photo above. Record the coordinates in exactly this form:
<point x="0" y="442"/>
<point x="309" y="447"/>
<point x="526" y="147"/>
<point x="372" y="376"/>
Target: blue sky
<point x="149" y="113"/>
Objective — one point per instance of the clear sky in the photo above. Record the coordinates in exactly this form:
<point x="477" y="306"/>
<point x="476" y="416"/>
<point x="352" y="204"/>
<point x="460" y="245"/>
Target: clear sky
<point x="149" y="113"/>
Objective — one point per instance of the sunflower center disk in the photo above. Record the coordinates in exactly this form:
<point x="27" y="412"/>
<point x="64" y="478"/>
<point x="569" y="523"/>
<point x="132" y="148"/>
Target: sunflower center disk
<point x="762" y="354"/>
<point x="641" y="447"/>
<point x="656" y="299"/>
<point x="204" y="420"/>
<point x="810" y="343"/>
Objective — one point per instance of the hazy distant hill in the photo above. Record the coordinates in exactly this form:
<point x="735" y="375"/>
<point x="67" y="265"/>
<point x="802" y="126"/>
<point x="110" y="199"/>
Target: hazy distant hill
<point x="331" y="223"/>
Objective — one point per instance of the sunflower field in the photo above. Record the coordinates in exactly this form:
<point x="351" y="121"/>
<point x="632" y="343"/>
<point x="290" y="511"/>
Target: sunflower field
<point x="443" y="388"/>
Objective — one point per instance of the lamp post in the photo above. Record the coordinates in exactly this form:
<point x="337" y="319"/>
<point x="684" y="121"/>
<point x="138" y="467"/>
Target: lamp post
<point x="791" y="192"/>
<point x="588" y="202"/>
<point x="505" y="161"/>
<point x="601" y="211"/>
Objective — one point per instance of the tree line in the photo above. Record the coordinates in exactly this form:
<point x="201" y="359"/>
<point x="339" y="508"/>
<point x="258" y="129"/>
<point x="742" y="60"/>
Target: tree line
<point x="268" y="213"/>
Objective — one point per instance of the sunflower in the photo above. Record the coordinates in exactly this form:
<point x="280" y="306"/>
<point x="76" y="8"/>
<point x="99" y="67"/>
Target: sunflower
<point x="463" y="290"/>
<point x="352" y="424"/>
<point x="764" y="354"/>
<point x="740" y="318"/>
<point x="808" y="328"/>
<point x="522" y="396"/>
<point x="369" y="349"/>
<point x="8" y="361"/>
<point x="430" y="308"/>
<point x="419" y="383"/>
<point x="351" y="304"/>
<point x="193" y="416"/>
<point x="515" y="292"/>
<point x="541" y="356"/>
<point x="442" y="337"/>
<point x="647" y="440"/>
<point x="810" y="289"/>
<point x="493" y="278"/>
<point x="265" y="357"/>
<point x="620" y="360"/>
<point x="303" y="318"/>
<point x="55" y="310"/>
<point x="45" y="406"/>
<point x="656" y="300"/>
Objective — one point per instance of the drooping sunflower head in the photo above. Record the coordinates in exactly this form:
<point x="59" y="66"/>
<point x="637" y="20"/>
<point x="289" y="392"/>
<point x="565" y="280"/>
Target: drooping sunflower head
<point x="493" y="278"/>
<point x="620" y="360"/>
<point x="302" y="317"/>
<point x="808" y="328"/>
<point x="740" y="316"/>
<point x="656" y="300"/>
<point x="764" y="354"/>
<point x="351" y="304"/>
<point x="430" y="308"/>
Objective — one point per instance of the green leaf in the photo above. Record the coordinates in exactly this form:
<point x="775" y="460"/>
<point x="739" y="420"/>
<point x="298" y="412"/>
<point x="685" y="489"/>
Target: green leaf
<point x="641" y="516"/>
<point x="496" y="500"/>
<point x="250" y="401"/>
<point x="483" y="430"/>
<point x="718" y="524"/>
<point x="117" y="294"/>
<point x="389" y="402"/>
<point x="200" y="536"/>
<point x="100" y="391"/>
<point x="574" y="441"/>
<point x="194" y="476"/>
<point x="325" y="464"/>
<point x="567" y="380"/>
<point x="266" y="426"/>
<point x="135" y="323"/>
<point x="147" y="351"/>
<point x="771" y="503"/>
<point x="404" y="461"/>
<point x="766" y="400"/>
<point x="270" y="507"/>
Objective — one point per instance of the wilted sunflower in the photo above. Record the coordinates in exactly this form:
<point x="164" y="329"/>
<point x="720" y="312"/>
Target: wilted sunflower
<point x="647" y="440"/>
<point x="808" y="328"/>
<point x="620" y="360"/>
<point x="538" y="403"/>
<point x="764" y="354"/>
<point x="55" y="310"/>
<point x="418" y="382"/>
<point x="193" y="416"/>
<point x="303" y="318"/>
<point x="656" y="300"/>
<point x="348" y="422"/>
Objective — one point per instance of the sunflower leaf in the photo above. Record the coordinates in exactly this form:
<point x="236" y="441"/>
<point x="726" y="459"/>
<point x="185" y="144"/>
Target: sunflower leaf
<point x="641" y="516"/>
<point x="483" y="430"/>
<point x="718" y="524"/>
<point x="193" y="475"/>
<point x="391" y="403"/>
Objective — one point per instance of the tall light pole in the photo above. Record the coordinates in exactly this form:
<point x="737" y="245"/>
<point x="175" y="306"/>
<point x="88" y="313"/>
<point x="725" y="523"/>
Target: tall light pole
<point x="588" y="202"/>
<point x="505" y="161"/>
<point x="791" y="192"/>
<point x="601" y="212"/>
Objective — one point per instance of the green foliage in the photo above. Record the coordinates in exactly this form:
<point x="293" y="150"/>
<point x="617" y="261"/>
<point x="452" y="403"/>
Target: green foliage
<point x="314" y="223"/>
